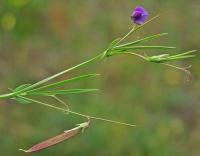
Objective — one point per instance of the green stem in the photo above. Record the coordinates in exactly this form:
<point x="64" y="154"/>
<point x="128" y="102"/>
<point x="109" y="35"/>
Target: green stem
<point x="135" y="54"/>
<point x="149" y="21"/>
<point x="76" y="113"/>
<point x="52" y="77"/>
<point x="134" y="28"/>
<point x="60" y="73"/>
<point x="6" y="95"/>
<point x="128" y="34"/>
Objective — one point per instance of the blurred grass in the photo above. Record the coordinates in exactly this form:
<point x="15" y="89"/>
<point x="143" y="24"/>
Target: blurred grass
<point x="40" y="38"/>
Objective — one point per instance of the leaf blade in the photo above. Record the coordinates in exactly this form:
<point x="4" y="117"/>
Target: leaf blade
<point x="146" y="39"/>
<point x="62" y="92"/>
<point x="132" y="48"/>
<point x="61" y="83"/>
<point x="21" y="87"/>
<point x="184" y="53"/>
<point x="21" y="100"/>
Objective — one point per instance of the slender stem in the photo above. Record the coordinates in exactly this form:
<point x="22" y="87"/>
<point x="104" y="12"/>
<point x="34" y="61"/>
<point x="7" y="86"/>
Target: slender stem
<point x="6" y="95"/>
<point x="166" y="64"/>
<point x="52" y="77"/>
<point x="134" y="28"/>
<point x="128" y="34"/>
<point x="135" y="54"/>
<point x="180" y="68"/>
<point x="153" y="18"/>
<point x="112" y="121"/>
<point x="61" y="101"/>
<point x="68" y="110"/>
<point x="76" y="113"/>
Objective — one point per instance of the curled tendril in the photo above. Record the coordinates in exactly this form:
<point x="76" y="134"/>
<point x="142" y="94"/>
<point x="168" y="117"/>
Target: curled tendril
<point x="146" y="58"/>
<point x="184" y="69"/>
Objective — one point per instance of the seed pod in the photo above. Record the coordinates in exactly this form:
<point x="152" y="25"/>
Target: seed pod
<point x="57" y="139"/>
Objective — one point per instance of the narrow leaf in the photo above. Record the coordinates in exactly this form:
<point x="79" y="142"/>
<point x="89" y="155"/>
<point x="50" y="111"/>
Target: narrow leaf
<point x="114" y="43"/>
<point x="21" y="87"/>
<point x="184" y="54"/>
<point x="21" y="100"/>
<point x="61" y="83"/>
<point x="166" y="57"/>
<point x="67" y="91"/>
<point x="146" y="39"/>
<point x="181" y="57"/>
<point x="110" y="47"/>
<point x="123" y="49"/>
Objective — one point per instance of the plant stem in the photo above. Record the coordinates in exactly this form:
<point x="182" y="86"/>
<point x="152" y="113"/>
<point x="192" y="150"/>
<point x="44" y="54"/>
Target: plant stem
<point x="134" y="28"/>
<point x="52" y="77"/>
<point x="128" y="34"/>
<point x="153" y="18"/>
<point x="76" y="113"/>
<point x="61" y="73"/>
<point x="6" y="95"/>
<point x="135" y="54"/>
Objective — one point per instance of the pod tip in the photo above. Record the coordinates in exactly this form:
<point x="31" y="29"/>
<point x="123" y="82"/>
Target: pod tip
<point x="23" y="150"/>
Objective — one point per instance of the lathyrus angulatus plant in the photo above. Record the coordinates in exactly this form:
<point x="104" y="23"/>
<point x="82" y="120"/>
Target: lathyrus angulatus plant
<point x="25" y="93"/>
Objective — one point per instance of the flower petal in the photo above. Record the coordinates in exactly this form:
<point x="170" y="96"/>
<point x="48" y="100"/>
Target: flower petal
<point x="139" y="15"/>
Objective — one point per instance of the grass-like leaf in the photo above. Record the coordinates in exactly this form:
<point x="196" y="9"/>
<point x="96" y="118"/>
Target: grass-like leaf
<point x="181" y="57"/>
<point x="114" y="43"/>
<point x="110" y="47"/>
<point x="61" y="92"/>
<point x="21" y="100"/>
<point x="131" y="48"/>
<point x="166" y="57"/>
<point x="146" y="39"/>
<point x="185" y="54"/>
<point x="61" y="83"/>
<point x="23" y="86"/>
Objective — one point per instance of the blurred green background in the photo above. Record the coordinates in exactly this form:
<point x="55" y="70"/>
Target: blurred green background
<point x="41" y="37"/>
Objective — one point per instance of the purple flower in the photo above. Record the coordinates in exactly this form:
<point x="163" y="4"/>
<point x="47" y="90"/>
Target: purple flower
<point x="139" y="15"/>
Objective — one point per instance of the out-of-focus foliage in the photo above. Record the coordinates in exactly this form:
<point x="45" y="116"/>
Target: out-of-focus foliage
<point x="39" y="38"/>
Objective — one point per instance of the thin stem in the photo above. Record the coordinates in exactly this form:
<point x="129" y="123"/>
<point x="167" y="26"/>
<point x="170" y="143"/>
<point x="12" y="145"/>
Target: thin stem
<point x="52" y="77"/>
<point x="6" y="95"/>
<point x="153" y="18"/>
<point x="135" y="54"/>
<point x="76" y="113"/>
<point x="180" y="68"/>
<point x="61" y="101"/>
<point x="128" y="34"/>
<point x="59" y="74"/>
<point x="112" y="121"/>
<point x="134" y="28"/>
<point x="166" y="64"/>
